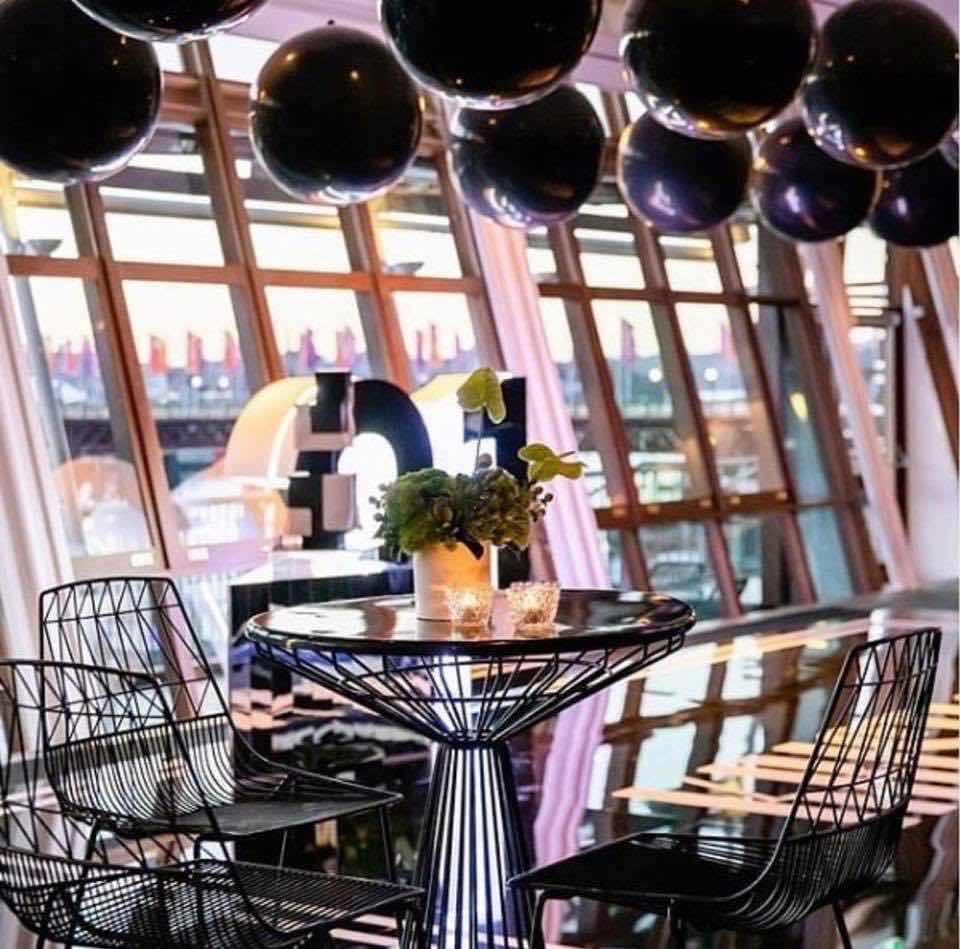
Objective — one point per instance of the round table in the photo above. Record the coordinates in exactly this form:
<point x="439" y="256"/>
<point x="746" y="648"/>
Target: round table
<point x="470" y="691"/>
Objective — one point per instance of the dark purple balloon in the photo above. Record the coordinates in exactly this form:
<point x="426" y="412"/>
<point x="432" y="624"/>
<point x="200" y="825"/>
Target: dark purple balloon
<point x="802" y="193"/>
<point x="883" y="90"/>
<point x="917" y="206"/>
<point x="166" y="21"/>
<point x="717" y="68"/>
<point x="678" y="183"/>
<point x="950" y="149"/>
<point x="530" y="166"/>
<point x="333" y="116"/>
<point x="77" y="101"/>
<point x="495" y="54"/>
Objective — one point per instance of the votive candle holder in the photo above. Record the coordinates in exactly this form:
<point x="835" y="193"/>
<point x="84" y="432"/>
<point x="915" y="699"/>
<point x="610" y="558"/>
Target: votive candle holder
<point x="469" y="606"/>
<point x="533" y="605"/>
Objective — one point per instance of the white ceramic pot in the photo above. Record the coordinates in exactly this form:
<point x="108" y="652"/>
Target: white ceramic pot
<point x="439" y="567"/>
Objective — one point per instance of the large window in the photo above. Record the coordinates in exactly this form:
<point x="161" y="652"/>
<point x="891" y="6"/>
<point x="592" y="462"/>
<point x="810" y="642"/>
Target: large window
<point x="156" y="303"/>
<point x="703" y="432"/>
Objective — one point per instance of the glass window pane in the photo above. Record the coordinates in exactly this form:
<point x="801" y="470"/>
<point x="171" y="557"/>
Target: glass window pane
<point x="543" y="265"/>
<point x="678" y="562"/>
<point x="745" y="245"/>
<point x="287" y="234"/>
<point x="630" y="345"/>
<point x="735" y="412"/>
<point x="239" y="58"/>
<point x="560" y="343"/>
<point x="825" y="553"/>
<point x="791" y="397"/>
<point x="86" y="432"/>
<point x="158" y="207"/>
<point x="608" y="253"/>
<point x="169" y="56"/>
<point x="875" y="354"/>
<point x="437" y="333"/>
<point x="187" y="345"/>
<point x="318" y="329"/>
<point x="690" y="263"/>
<point x="413" y="226"/>
<point x="41" y="226"/>
<point x="595" y="96"/>
<point x="611" y="550"/>
<point x="755" y="544"/>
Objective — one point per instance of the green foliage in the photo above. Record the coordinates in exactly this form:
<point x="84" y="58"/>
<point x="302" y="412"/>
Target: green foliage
<point x="430" y="507"/>
<point x="543" y="464"/>
<point x="482" y="391"/>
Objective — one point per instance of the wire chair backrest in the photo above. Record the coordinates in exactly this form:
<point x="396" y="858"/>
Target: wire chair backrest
<point x="136" y="623"/>
<point x="848" y="811"/>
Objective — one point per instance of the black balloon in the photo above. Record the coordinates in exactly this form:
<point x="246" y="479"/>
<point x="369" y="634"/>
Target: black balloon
<point x="678" y="183"/>
<point x="883" y="90"/>
<point x="950" y="149"/>
<point x="530" y="166"/>
<point x="166" y="21"/>
<point x="802" y="193"/>
<point x="333" y="117"/>
<point x="499" y="54"/>
<point x="77" y="100"/>
<point x="716" y="68"/>
<point x="917" y="206"/>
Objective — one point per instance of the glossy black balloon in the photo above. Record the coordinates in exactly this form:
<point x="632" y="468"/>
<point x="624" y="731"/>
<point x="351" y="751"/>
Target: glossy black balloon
<point x="77" y="100"/>
<point x="678" y="183"/>
<point x="530" y="166"/>
<point x="802" y="193"/>
<point x="917" y="206"/>
<point x="950" y="149"/>
<point x="493" y="54"/>
<point x="717" y="68"/>
<point x="167" y="21"/>
<point x="334" y="117"/>
<point x="883" y="90"/>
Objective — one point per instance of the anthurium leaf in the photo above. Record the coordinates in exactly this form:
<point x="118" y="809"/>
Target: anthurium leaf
<point x="482" y="391"/>
<point x="535" y="451"/>
<point x="544" y="464"/>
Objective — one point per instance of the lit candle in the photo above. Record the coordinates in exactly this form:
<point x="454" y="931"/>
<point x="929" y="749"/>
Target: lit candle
<point x="533" y="605"/>
<point x="469" y="606"/>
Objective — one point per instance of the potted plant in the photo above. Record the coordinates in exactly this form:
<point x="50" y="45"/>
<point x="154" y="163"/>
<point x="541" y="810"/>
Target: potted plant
<point x="449" y="523"/>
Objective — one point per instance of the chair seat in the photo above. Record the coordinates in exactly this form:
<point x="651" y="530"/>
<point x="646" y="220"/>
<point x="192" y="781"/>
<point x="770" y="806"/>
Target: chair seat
<point x="246" y="818"/>
<point x="208" y="903"/>
<point x="655" y="868"/>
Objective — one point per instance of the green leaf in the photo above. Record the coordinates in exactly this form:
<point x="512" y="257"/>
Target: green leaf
<point x="482" y="391"/>
<point x="543" y="464"/>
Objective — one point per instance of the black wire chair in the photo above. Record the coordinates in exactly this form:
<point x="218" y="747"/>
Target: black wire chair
<point x="140" y="624"/>
<point x="840" y="836"/>
<point x="119" y="894"/>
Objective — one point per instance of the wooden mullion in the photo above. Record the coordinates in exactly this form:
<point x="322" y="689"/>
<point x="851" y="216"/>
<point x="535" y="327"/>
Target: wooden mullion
<point x="378" y="311"/>
<point x="26" y="265"/>
<point x="230" y="274"/>
<point x="353" y="280"/>
<point x="258" y="345"/>
<point x="130" y="401"/>
<point x="606" y="422"/>
<point x="765" y="417"/>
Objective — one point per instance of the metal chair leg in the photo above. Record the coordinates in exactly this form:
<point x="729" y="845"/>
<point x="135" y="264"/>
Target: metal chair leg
<point x="388" y="852"/>
<point x="842" y="926"/>
<point x="536" y="935"/>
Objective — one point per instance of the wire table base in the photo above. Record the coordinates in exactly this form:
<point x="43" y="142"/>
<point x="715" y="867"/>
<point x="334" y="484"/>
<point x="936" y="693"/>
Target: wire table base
<point x="470" y="697"/>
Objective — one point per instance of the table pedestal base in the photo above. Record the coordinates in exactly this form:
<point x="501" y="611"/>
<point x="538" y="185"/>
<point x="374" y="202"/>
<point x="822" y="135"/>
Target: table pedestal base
<point x="472" y="843"/>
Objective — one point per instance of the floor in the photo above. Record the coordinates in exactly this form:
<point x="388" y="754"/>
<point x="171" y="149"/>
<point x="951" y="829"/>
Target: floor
<point x="709" y="738"/>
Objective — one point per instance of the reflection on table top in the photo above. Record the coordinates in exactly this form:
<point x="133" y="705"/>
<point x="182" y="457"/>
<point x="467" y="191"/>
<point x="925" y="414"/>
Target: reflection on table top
<point x="587" y="619"/>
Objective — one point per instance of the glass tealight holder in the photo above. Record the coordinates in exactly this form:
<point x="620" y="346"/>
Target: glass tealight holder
<point x="470" y="606"/>
<point x="533" y="605"/>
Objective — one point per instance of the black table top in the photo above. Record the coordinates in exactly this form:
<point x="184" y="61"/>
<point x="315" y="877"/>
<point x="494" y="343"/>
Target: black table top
<point x="587" y="619"/>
